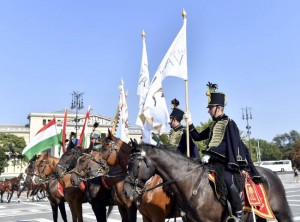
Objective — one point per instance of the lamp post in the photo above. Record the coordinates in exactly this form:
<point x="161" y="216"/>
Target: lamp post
<point x="77" y="104"/>
<point x="247" y="116"/>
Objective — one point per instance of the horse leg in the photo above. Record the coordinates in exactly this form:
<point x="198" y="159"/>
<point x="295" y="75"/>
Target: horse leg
<point x="19" y="194"/>
<point x="28" y="194"/>
<point x="2" y="192"/>
<point x="73" y="212"/>
<point x="78" y="208"/>
<point x="123" y="213"/>
<point x="99" y="210"/>
<point x="9" y="197"/>
<point x="62" y="210"/>
<point x="131" y="212"/>
<point x="54" y="211"/>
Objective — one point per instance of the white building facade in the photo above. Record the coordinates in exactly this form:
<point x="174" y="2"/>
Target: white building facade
<point x="38" y="120"/>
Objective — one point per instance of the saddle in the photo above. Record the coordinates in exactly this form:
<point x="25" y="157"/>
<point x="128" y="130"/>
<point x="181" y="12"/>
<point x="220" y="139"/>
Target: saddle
<point x="254" y="195"/>
<point x="60" y="187"/>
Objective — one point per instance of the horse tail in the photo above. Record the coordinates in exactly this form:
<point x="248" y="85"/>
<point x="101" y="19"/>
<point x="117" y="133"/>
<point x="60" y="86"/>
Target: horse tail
<point x="110" y="208"/>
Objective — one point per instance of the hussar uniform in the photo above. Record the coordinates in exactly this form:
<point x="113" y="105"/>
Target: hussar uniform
<point x="177" y="136"/>
<point x="225" y="146"/>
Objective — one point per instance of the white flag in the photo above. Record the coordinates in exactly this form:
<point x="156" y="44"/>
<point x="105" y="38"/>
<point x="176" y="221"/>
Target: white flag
<point x="175" y="61"/>
<point x="122" y="128"/>
<point x="143" y="82"/>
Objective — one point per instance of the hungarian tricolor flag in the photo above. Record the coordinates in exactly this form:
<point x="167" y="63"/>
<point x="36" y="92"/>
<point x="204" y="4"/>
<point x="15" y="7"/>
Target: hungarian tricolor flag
<point x="81" y="142"/>
<point x="46" y="138"/>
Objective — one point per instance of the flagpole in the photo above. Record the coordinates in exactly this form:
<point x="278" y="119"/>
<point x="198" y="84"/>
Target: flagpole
<point x="186" y="103"/>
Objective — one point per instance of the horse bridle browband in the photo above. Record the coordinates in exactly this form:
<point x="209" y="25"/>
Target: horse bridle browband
<point x="102" y="170"/>
<point x="65" y="168"/>
<point x="41" y="174"/>
<point x="114" y="147"/>
<point x="139" y="186"/>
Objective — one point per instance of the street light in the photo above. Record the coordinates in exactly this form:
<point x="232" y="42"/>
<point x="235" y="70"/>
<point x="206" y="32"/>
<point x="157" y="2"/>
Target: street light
<point x="247" y="116"/>
<point x="77" y="104"/>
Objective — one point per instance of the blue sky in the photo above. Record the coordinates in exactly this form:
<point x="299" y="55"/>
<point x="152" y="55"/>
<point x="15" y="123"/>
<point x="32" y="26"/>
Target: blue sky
<point x="251" y="49"/>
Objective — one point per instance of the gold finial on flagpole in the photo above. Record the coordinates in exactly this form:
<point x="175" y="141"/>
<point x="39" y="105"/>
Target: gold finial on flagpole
<point x="183" y="14"/>
<point x="143" y="34"/>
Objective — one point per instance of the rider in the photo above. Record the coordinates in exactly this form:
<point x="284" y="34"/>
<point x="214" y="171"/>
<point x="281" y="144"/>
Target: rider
<point x="73" y="141"/>
<point x="224" y="146"/>
<point x="95" y="140"/>
<point x="177" y="136"/>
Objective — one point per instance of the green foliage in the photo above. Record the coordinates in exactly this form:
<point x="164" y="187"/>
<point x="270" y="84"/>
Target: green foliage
<point x="10" y="142"/>
<point x="12" y="145"/>
<point x="295" y="154"/>
<point x="3" y="161"/>
<point x="286" y="140"/>
<point x="202" y="144"/>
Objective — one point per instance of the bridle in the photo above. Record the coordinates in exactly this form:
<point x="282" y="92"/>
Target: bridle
<point x="100" y="171"/>
<point x="41" y="173"/>
<point x="112" y="146"/>
<point x="136" y="183"/>
<point x="65" y="169"/>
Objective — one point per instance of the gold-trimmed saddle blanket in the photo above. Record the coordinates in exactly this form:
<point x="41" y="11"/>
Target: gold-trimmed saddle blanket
<point x="255" y="196"/>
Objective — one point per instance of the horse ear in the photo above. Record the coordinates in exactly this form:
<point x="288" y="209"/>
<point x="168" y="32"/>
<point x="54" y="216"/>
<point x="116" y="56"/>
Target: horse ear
<point x="111" y="135"/>
<point x="135" y="145"/>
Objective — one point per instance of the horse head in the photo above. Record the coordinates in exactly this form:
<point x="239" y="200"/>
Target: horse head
<point x="68" y="161"/>
<point x="44" y="167"/>
<point x="115" y="151"/>
<point x="79" y="172"/>
<point x="88" y="167"/>
<point x="139" y="170"/>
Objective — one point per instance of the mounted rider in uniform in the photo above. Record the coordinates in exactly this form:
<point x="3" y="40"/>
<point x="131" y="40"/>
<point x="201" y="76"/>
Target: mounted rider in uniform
<point x="224" y="146"/>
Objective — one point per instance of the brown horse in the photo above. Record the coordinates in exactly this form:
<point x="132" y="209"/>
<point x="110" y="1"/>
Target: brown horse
<point x="45" y="168"/>
<point x="66" y="165"/>
<point x="156" y="205"/>
<point x="5" y="186"/>
<point x="98" y="195"/>
<point x="56" y="200"/>
<point x="32" y="189"/>
<point x="189" y="181"/>
<point x="14" y="186"/>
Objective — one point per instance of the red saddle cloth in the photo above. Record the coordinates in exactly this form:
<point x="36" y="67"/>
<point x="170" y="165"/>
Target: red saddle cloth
<point x="60" y="188"/>
<point x="255" y="196"/>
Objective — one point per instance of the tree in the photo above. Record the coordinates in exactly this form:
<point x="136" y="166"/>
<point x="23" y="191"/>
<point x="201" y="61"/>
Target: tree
<point x="11" y="146"/>
<point x="296" y="154"/>
<point x="3" y="162"/>
<point x="202" y="144"/>
<point x="286" y="143"/>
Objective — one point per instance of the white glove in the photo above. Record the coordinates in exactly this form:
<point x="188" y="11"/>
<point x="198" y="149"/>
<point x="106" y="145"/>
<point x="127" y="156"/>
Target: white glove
<point x="188" y="117"/>
<point x="205" y="158"/>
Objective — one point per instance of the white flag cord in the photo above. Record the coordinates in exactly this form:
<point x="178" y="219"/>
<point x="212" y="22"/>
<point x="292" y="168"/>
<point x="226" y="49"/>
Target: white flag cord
<point x="187" y="124"/>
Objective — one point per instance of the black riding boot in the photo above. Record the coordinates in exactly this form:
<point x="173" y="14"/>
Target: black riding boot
<point x="236" y="202"/>
<point x="239" y="216"/>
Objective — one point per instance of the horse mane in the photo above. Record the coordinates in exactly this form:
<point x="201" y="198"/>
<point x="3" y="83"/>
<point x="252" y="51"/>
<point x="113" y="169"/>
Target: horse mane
<point x="169" y="149"/>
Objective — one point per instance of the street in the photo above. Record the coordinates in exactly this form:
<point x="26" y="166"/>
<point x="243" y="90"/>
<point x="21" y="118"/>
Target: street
<point x="41" y="211"/>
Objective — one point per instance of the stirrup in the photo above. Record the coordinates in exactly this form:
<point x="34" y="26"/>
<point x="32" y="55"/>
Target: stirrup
<point x="232" y="218"/>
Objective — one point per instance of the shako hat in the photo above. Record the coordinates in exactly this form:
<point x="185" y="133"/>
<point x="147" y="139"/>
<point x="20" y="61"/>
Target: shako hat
<point x="215" y="98"/>
<point x="176" y="113"/>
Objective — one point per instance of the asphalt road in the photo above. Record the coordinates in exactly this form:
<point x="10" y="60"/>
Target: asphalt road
<point x="34" y="211"/>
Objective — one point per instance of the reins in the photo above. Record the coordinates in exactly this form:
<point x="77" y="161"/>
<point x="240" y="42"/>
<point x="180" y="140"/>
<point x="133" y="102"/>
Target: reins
<point x="171" y="181"/>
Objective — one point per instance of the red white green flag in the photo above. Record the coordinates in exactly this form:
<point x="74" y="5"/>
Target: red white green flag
<point x="81" y="142"/>
<point x="46" y="138"/>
